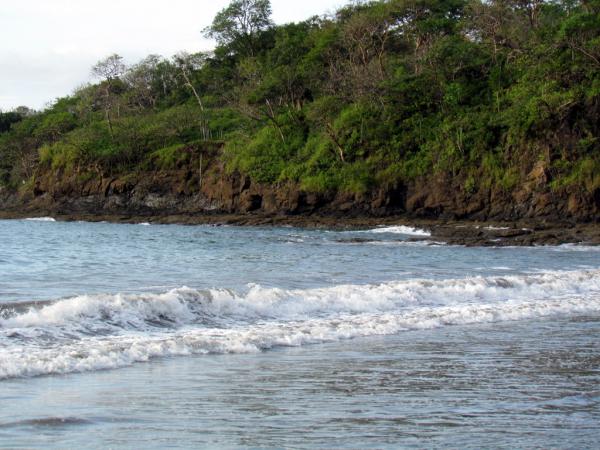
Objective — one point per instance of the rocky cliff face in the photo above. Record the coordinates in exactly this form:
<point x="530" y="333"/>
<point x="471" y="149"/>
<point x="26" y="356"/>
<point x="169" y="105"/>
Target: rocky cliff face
<point x="186" y="191"/>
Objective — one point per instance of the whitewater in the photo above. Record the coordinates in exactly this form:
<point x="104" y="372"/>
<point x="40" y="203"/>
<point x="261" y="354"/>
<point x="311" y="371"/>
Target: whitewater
<point x="109" y="331"/>
<point x="80" y="302"/>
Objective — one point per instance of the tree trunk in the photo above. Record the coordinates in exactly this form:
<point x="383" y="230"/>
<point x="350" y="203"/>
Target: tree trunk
<point x="203" y="122"/>
<point x="334" y="139"/>
<point x="271" y="115"/>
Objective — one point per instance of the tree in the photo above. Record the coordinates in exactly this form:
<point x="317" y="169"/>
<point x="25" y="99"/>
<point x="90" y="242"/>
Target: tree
<point x="7" y="119"/>
<point x="250" y="100"/>
<point x="55" y="125"/>
<point x="357" y="64"/>
<point x="152" y="82"/>
<point x="110" y="69"/>
<point x="25" y="111"/>
<point x="422" y="22"/>
<point x="238" y="25"/>
<point x="581" y="33"/>
<point x="144" y="81"/>
<point x="186" y="64"/>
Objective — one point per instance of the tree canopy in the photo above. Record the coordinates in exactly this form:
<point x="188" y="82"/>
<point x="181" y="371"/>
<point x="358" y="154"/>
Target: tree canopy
<point x="377" y="94"/>
<point x="237" y="27"/>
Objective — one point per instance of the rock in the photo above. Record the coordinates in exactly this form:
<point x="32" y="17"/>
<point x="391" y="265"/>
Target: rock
<point x="181" y="195"/>
<point x="250" y="202"/>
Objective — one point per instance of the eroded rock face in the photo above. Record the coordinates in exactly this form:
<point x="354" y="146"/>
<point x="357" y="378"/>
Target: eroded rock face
<point x="184" y="191"/>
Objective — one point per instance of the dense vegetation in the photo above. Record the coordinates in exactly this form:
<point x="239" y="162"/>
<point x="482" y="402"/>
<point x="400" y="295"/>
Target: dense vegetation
<point x="382" y="92"/>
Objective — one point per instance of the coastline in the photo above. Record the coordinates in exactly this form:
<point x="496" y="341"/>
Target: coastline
<point x="528" y="232"/>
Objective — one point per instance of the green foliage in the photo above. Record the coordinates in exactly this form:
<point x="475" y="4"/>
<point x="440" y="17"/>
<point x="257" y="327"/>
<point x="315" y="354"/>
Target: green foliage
<point x="470" y="186"/>
<point x="54" y="125"/>
<point x="583" y="174"/>
<point x="379" y="94"/>
<point x="237" y="25"/>
<point x="322" y="182"/>
<point x="7" y="119"/>
<point x="263" y="157"/>
<point x="168" y="158"/>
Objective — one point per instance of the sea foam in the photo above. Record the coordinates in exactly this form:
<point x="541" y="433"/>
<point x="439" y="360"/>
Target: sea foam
<point x="109" y="331"/>
<point x="402" y="229"/>
<point x="41" y="219"/>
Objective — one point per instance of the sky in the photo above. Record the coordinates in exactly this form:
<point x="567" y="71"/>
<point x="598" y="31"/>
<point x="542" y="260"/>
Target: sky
<point x="47" y="47"/>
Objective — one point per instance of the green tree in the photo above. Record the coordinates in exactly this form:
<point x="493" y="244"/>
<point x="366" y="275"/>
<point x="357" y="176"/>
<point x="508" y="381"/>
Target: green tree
<point x="237" y="26"/>
<point x="7" y="119"/>
<point x="55" y="125"/>
<point x="110" y="70"/>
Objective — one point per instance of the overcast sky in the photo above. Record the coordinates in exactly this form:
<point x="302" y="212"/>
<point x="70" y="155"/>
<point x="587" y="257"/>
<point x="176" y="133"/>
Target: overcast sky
<point x="48" y="46"/>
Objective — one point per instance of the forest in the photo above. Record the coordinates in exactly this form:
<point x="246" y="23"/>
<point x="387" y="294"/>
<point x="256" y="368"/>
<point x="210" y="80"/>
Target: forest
<point x="376" y="94"/>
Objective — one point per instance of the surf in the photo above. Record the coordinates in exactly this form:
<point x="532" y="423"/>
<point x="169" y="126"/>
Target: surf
<point x="98" y="332"/>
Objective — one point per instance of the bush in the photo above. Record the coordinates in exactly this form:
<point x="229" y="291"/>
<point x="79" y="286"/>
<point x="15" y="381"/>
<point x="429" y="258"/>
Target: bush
<point x="168" y="158"/>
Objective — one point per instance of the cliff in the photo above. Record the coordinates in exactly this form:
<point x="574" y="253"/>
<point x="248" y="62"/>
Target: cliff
<point x="187" y="190"/>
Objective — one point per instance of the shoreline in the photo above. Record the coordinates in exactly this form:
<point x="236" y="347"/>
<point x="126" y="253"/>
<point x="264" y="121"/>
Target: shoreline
<point x="454" y="232"/>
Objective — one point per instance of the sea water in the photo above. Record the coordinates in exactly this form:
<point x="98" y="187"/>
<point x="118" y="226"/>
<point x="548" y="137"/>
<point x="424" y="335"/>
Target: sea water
<point x="137" y="336"/>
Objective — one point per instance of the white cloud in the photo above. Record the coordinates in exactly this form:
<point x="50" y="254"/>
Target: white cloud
<point x="48" y="46"/>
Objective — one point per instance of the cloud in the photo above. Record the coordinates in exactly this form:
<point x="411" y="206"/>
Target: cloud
<point x="48" y="47"/>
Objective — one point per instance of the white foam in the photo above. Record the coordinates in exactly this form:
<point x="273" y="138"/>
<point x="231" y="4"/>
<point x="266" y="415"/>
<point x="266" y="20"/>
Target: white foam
<point x="111" y="352"/>
<point x="398" y="243"/>
<point x="41" y="219"/>
<point x="401" y="229"/>
<point x="109" y="331"/>
<point x="576" y="247"/>
<point x="186" y="305"/>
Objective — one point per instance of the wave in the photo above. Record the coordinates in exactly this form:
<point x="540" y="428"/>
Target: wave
<point x="410" y="243"/>
<point x="41" y="219"/>
<point x="575" y="247"/>
<point x="102" y="353"/>
<point x="401" y="229"/>
<point x="109" y="331"/>
<point x="188" y="306"/>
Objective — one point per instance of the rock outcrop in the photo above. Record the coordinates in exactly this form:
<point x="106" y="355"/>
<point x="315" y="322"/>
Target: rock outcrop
<point x="185" y="191"/>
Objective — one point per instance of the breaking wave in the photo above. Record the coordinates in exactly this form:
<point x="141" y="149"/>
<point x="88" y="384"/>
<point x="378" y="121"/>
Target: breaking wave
<point x="402" y="229"/>
<point x="41" y="219"/>
<point x="94" y="332"/>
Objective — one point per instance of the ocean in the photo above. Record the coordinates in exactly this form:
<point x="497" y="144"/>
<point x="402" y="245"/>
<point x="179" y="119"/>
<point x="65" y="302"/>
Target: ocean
<point x="166" y="336"/>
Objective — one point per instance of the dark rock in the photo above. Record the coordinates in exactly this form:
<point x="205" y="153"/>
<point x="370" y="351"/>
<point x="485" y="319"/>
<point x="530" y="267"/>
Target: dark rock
<point x="530" y="214"/>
